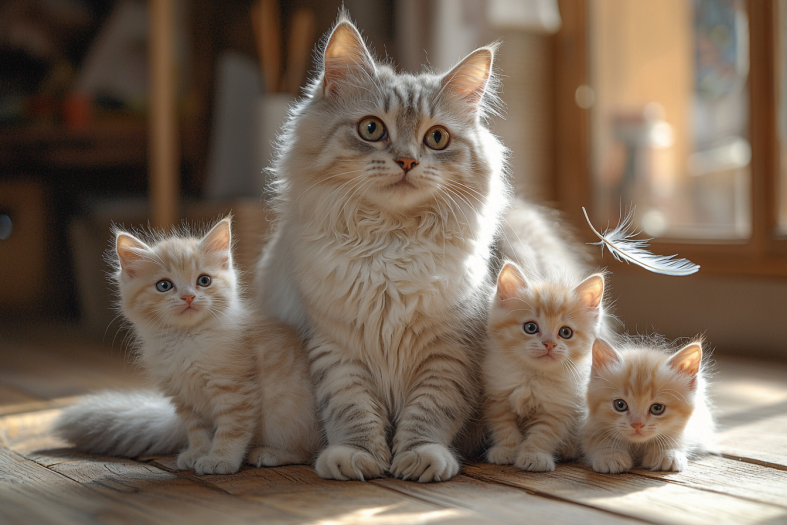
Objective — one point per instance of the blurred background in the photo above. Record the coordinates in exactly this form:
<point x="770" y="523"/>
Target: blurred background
<point x="141" y="113"/>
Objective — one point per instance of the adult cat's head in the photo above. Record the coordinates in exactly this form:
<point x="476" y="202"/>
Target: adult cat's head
<point x="396" y="142"/>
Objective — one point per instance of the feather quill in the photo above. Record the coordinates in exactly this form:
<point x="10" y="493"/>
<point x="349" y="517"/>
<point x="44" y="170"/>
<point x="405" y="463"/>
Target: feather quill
<point x="624" y="247"/>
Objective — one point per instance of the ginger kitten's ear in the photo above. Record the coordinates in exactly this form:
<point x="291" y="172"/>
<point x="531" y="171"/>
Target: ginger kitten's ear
<point x="603" y="354"/>
<point x="219" y="240"/>
<point x="510" y="282"/>
<point x="687" y="360"/>
<point x="130" y="250"/>
<point x="591" y="290"/>
<point x="344" y="55"/>
<point x="469" y="80"/>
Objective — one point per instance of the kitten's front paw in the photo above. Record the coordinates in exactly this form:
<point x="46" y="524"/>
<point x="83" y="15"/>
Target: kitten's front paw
<point x="425" y="463"/>
<point x="189" y="457"/>
<point x="345" y="462"/>
<point x="535" y="461"/>
<point x="274" y="457"/>
<point x="216" y="465"/>
<point x="501" y="455"/>
<point x="670" y="460"/>
<point x="612" y="462"/>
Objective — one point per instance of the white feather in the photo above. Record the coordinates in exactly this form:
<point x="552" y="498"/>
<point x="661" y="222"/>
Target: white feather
<point x="624" y="247"/>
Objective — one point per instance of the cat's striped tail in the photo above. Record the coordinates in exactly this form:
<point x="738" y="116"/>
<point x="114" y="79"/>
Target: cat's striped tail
<point x="127" y="424"/>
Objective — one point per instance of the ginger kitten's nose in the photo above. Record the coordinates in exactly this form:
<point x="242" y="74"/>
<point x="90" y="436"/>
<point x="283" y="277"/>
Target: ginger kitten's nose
<point x="637" y="426"/>
<point x="549" y="344"/>
<point x="188" y="298"/>
<point x="406" y="164"/>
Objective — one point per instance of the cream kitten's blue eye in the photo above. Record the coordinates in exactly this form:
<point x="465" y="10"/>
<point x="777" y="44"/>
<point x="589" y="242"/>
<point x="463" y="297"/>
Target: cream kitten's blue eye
<point x="530" y="328"/>
<point x="164" y="285"/>
<point x="565" y="332"/>
<point x="657" y="409"/>
<point x="203" y="281"/>
<point x="437" y="138"/>
<point x="620" y="405"/>
<point x="371" y="129"/>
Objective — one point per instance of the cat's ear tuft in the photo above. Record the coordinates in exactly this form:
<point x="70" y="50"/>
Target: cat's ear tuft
<point x="591" y="290"/>
<point x="130" y="251"/>
<point x="470" y="80"/>
<point x="510" y="282"/>
<point x="219" y="240"/>
<point x="603" y="354"/>
<point x="345" y="55"/>
<point x="687" y="360"/>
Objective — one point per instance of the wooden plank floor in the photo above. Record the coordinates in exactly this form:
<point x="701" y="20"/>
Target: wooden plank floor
<point x="43" y="481"/>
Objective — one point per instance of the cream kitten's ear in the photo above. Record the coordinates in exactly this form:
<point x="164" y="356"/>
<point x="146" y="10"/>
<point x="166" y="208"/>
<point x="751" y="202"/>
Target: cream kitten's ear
<point x="130" y="250"/>
<point x="219" y="240"/>
<point x="687" y="360"/>
<point x="591" y="290"/>
<point x="345" y="55"/>
<point x="603" y="354"/>
<point x="469" y="80"/>
<point x="510" y="282"/>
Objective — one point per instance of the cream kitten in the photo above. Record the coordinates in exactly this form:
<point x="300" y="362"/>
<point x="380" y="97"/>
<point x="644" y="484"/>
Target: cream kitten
<point x="647" y="407"/>
<point x="389" y="190"/>
<point x="536" y="369"/>
<point x="220" y="363"/>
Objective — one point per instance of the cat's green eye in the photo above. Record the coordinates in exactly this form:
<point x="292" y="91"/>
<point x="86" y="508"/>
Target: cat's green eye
<point x="530" y="328"/>
<point x="620" y="405"/>
<point x="203" y="281"/>
<point x="371" y="129"/>
<point x="657" y="409"/>
<point x="565" y="332"/>
<point x="437" y="137"/>
<point x="164" y="285"/>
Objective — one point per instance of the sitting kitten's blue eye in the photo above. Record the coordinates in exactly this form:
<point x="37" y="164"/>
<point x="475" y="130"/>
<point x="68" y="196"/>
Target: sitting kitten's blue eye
<point x="530" y="328"/>
<point x="565" y="332"/>
<point x="437" y="138"/>
<point x="657" y="409"/>
<point x="164" y="285"/>
<point x="371" y="129"/>
<point x="620" y="405"/>
<point x="203" y="281"/>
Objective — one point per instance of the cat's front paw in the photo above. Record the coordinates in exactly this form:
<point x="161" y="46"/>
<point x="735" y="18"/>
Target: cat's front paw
<point x="189" y="457"/>
<point x="535" y="461"/>
<point x="425" y="463"/>
<point x="501" y="455"/>
<point x="345" y="462"/>
<point x="274" y="457"/>
<point x="216" y="465"/>
<point x="612" y="462"/>
<point x="669" y="460"/>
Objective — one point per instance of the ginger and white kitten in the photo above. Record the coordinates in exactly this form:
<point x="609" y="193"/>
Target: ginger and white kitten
<point x="540" y="331"/>
<point x="646" y="406"/>
<point x="389" y="190"/>
<point x="235" y="379"/>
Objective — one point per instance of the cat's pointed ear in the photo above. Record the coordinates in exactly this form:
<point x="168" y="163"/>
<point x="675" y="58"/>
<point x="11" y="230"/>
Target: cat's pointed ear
<point x="591" y="290"/>
<point x="130" y="251"/>
<point x="510" y="282"/>
<point x="603" y="354"/>
<point x="345" y="55"/>
<point x="219" y="240"/>
<point x="470" y="80"/>
<point x="687" y="360"/>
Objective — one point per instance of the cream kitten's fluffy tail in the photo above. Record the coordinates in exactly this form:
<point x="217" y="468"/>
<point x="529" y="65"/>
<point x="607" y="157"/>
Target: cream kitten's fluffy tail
<point x="125" y="424"/>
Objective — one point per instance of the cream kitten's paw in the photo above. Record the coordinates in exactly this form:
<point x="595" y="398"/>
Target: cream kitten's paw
<point x="189" y="457"/>
<point x="346" y="462"/>
<point x="273" y="457"/>
<point x="216" y="465"/>
<point x="425" y="463"/>
<point x="612" y="462"/>
<point x="535" y="461"/>
<point x="501" y="455"/>
<point x="672" y="460"/>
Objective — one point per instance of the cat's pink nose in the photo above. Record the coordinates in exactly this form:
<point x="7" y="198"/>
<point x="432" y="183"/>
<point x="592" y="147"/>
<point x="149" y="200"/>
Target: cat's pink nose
<point x="637" y="426"/>
<point x="188" y="298"/>
<point x="549" y="344"/>
<point x="406" y="164"/>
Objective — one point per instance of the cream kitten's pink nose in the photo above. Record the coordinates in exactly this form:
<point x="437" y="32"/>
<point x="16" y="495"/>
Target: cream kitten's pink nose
<point x="406" y="164"/>
<point x="549" y="344"/>
<point x="188" y="298"/>
<point x="637" y="426"/>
